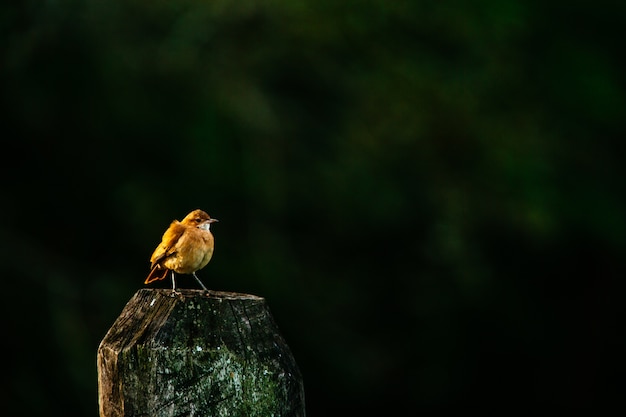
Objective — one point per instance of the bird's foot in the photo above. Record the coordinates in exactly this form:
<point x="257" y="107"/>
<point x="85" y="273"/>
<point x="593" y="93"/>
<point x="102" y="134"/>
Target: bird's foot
<point x="176" y="293"/>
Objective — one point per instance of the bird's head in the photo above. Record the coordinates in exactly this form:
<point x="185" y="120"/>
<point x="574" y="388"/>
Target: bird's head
<point x="199" y="219"/>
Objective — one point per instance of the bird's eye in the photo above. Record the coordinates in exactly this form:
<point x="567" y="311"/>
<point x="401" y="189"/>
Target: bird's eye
<point x="198" y="220"/>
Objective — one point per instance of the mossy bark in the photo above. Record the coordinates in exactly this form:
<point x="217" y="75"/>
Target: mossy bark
<point x="197" y="355"/>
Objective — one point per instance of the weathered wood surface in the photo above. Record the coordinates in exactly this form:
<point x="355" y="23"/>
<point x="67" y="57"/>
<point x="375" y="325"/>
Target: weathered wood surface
<point x="197" y="355"/>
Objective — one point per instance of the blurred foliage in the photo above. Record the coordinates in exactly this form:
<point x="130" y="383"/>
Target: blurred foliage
<point x="427" y="193"/>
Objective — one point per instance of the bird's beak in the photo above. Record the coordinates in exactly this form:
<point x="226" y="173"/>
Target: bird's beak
<point x="213" y="220"/>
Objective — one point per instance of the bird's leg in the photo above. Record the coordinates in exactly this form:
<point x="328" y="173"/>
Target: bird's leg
<point x="199" y="282"/>
<point x="174" y="292"/>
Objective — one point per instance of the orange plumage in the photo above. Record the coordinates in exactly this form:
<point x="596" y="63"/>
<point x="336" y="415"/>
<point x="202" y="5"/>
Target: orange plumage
<point x="185" y="248"/>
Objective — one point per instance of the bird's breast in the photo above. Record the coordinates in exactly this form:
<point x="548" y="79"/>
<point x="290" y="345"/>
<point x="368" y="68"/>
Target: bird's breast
<point x="193" y="252"/>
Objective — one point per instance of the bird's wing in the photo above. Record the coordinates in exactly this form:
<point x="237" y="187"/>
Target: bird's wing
<point x="167" y="247"/>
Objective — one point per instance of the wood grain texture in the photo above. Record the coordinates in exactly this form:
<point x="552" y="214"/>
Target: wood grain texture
<point x="197" y="355"/>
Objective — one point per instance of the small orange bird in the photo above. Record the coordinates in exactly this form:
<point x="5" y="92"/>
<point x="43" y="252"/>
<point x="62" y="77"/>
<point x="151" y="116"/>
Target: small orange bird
<point x="186" y="247"/>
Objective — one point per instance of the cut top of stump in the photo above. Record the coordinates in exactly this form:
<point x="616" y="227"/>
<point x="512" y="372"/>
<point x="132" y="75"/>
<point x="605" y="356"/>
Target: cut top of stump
<point x="160" y="317"/>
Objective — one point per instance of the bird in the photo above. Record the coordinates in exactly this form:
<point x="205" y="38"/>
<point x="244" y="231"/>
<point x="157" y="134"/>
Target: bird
<point x="186" y="247"/>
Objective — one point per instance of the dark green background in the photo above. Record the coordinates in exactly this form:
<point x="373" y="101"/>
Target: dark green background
<point x="429" y="194"/>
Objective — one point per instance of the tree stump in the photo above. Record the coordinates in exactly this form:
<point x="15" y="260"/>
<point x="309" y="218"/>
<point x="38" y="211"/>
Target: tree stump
<point x="197" y="355"/>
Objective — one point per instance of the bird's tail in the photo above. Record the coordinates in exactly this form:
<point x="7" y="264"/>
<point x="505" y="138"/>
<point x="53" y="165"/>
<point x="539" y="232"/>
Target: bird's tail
<point x="158" y="272"/>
